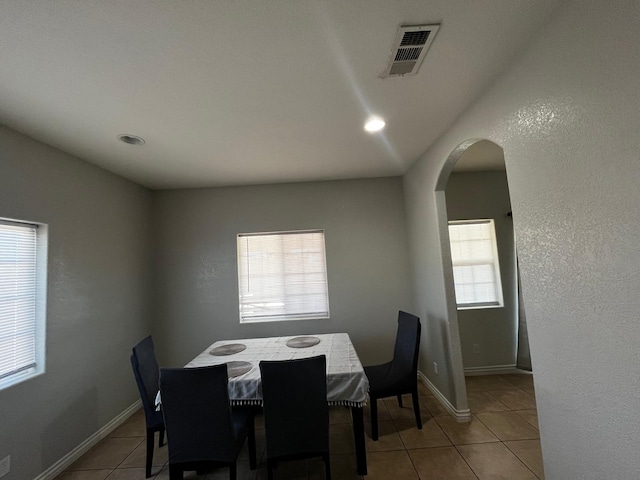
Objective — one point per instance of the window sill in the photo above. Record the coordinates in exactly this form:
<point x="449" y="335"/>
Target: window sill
<point x="281" y="319"/>
<point x="478" y="307"/>
<point x="19" y="378"/>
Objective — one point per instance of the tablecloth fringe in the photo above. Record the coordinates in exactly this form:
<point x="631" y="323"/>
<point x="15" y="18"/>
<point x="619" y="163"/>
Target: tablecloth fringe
<point x="347" y="403"/>
<point x="239" y="403"/>
<point x="343" y="403"/>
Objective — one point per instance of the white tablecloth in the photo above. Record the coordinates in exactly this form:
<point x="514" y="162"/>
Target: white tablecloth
<point x="347" y="383"/>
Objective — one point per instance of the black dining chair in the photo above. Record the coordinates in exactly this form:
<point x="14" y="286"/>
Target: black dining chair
<point x="202" y="429"/>
<point x="145" y="370"/>
<point x="296" y="413"/>
<point x="400" y="375"/>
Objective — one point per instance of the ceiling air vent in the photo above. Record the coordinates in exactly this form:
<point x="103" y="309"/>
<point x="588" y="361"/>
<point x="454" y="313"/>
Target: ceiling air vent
<point x="409" y="49"/>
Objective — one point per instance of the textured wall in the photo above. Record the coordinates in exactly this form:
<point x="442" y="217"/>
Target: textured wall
<point x="196" y="279"/>
<point x="567" y="115"/>
<point x="98" y="280"/>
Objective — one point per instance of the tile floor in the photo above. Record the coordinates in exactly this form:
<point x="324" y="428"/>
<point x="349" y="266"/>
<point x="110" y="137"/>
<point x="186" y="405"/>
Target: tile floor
<point x="501" y="442"/>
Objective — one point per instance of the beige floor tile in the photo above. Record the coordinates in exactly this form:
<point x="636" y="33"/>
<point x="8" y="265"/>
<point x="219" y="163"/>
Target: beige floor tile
<point x="109" y="453"/>
<point x="258" y="422"/>
<point x="383" y="413"/>
<point x="293" y="470"/>
<point x="485" y="383"/>
<point x="244" y="472"/>
<point x="523" y="381"/>
<point x="406" y="411"/>
<point x="134" y="426"/>
<point x="339" y="414"/>
<point x="388" y="438"/>
<point x="529" y="452"/>
<point x="341" y="438"/>
<point x="480" y="402"/>
<point x="516" y="399"/>
<point x="440" y="463"/>
<point x="127" y="474"/>
<point x="466" y="433"/>
<point x="508" y="426"/>
<point x="431" y="434"/>
<point x="343" y="467"/>
<point x="164" y="475"/>
<point x="433" y="407"/>
<point x="138" y="458"/>
<point x="390" y="465"/>
<point x="531" y="416"/>
<point x="494" y="461"/>
<point x="84" y="475"/>
<point x="423" y="390"/>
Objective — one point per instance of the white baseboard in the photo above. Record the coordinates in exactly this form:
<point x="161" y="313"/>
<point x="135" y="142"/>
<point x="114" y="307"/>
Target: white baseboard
<point x="492" y="370"/>
<point x="57" y="468"/>
<point x="461" y="416"/>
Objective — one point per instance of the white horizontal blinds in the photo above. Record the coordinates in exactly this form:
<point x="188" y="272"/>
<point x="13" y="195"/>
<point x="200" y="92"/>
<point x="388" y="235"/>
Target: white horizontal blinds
<point x="17" y="298"/>
<point x="475" y="263"/>
<point x="282" y="276"/>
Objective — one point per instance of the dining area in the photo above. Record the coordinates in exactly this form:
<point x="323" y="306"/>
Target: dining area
<point x="305" y="407"/>
<point x="210" y="409"/>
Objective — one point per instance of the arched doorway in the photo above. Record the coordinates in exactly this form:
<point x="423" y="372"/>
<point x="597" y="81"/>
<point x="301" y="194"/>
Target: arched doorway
<point x="472" y="192"/>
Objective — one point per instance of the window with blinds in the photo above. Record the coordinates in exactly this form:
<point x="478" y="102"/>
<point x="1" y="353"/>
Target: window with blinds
<point x="476" y="270"/>
<point x="282" y="276"/>
<point x="19" y="342"/>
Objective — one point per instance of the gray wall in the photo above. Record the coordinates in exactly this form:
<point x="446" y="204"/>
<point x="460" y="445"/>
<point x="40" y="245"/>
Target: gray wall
<point x="486" y="195"/>
<point x="98" y="294"/>
<point x="196" y="289"/>
<point x="567" y="115"/>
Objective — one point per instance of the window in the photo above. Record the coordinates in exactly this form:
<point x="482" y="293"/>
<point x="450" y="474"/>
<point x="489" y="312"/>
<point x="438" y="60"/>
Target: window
<point x="282" y="276"/>
<point x="476" y="272"/>
<point x="22" y="286"/>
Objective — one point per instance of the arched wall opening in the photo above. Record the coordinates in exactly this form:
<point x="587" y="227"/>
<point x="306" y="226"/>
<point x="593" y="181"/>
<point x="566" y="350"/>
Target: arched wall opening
<point x="472" y="186"/>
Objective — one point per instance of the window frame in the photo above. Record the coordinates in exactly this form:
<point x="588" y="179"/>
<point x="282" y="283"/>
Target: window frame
<point x="497" y="281"/>
<point x="281" y="317"/>
<point x="40" y="300"/>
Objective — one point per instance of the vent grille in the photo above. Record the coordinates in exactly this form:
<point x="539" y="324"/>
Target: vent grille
<point x="409" y="49"/>
<point x="415" y="38"/>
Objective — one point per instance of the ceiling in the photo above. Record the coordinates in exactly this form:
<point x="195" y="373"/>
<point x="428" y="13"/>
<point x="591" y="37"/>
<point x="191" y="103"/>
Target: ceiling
<point x="247" y="92"/>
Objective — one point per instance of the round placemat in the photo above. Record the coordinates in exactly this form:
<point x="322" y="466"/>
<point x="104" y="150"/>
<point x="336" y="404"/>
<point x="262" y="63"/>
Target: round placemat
<point x="302" y="342"/>
<point x="235" y="369"/>
<point x="228" y="349"/>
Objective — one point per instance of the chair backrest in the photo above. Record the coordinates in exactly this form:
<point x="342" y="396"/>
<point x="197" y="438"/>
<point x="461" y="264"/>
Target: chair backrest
<point x="146" y="371"/>
<point x="197" y="414"/>
<point x="405" y="355"/>
<point x="296" y="412"/>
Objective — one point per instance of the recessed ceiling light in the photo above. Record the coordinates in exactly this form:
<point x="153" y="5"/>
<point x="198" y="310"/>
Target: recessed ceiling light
<point x="374" y="124"/>
<point x="131" y="139"/>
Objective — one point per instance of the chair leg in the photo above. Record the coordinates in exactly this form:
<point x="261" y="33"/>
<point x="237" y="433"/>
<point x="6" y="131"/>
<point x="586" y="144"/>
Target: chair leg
<point x="416" y="408"/>
<point x="374" y="418"/>
<point x="327" y="466"/>
<point x="251" y="440"/>
<point x="233" y="473"/>
<point x="175" y="472"/>
<point x="400" y="401"/>
<point x="161" y="439"/>
<point x="150" y="435"/>
<point x="270" y="465"/>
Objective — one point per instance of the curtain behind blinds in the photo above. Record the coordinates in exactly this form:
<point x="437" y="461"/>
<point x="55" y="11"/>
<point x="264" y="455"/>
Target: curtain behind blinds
<point x="17" y="298"/>
<point x="475" y="262"/>
<point x="282" y="276"/>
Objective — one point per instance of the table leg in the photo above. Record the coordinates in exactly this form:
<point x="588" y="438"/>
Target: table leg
<point x="358" y="435"/>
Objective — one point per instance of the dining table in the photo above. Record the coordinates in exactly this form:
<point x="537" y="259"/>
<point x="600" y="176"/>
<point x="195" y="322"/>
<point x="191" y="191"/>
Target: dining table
<point x="347" y="384"/>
